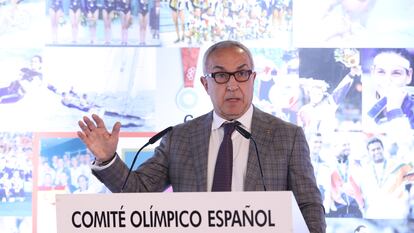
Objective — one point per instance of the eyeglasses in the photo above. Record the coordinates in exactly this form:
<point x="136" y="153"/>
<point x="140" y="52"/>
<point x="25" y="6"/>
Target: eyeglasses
<point x="223" y="77"/>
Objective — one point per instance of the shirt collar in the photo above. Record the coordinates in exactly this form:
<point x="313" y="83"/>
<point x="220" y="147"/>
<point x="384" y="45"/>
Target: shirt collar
<point x="245" y="120"/>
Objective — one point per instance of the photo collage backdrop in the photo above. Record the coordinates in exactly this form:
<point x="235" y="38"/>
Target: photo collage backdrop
<point x="341" y="69"/>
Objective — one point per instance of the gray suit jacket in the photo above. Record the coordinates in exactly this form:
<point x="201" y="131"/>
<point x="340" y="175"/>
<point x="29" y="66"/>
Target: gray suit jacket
<point x="181" y="161"/>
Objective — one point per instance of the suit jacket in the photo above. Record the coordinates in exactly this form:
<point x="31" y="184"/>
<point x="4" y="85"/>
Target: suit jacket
<point x="181" y="161"/>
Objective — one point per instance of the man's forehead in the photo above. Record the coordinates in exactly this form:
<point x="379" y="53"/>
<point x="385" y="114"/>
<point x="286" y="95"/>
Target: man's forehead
<point x="222" y="51"/>
<point x="374" y="145"/>
<point x="391" y="60"/>
<point x="218" y="62"/>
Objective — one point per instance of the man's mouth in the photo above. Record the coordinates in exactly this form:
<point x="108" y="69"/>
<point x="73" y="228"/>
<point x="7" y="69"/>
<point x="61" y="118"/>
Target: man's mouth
<point x="232" y="99"/>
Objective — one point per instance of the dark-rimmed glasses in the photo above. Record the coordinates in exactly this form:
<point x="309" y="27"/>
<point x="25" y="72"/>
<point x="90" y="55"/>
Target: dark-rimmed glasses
<point x="222" y="77"/>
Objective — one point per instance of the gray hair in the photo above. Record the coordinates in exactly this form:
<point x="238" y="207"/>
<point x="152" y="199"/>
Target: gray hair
<point x="225" y="44"/>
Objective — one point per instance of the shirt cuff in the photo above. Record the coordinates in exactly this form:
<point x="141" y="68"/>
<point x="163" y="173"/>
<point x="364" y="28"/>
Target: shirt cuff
<point x="98" y="166"/>
<point x="395" y="113"/>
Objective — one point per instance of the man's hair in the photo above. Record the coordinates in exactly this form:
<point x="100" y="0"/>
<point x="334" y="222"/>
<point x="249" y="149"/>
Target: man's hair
<point x="359" y="228"/>
<point x="225" y="44"/>
<point x="38" y="57"/>
<point x="374" y="140"/>
<point x="404" y="53"/>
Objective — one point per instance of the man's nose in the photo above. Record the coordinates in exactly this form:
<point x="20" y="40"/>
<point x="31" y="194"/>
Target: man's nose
<point x="232" y="78"/>
<point x="232" y="84"/>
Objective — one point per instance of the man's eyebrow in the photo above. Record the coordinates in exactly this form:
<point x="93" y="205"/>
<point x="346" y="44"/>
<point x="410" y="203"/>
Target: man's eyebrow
<point x="218" y="67"/>
<point x="222" y="68"/>
<point x="398" y="67"/>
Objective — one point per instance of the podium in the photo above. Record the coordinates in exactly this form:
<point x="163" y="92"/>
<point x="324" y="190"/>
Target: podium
<point x="275" y="212"/>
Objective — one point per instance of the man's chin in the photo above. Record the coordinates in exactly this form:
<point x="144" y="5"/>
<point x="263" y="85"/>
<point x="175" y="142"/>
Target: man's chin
<point x="232" y="111"/>
<point x="231" y="115"/>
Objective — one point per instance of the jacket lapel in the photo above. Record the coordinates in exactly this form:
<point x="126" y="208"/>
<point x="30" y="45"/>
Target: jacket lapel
<point x="200" y="145"/>
<point x="261" y="134"/>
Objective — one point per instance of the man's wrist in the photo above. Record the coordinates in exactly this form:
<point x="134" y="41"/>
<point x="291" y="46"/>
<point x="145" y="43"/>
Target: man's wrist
<point x="106" y="162"/>
<point x="353" y="76"/>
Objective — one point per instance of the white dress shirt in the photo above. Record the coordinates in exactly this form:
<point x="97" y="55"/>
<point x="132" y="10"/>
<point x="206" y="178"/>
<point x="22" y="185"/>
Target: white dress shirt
<point x="240" y="150"/>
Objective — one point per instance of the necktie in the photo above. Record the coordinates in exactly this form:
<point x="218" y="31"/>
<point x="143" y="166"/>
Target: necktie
<point x="224" y="164"/>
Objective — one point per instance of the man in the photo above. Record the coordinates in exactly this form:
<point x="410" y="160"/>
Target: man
<point x="30" y="80"/>
<point x="186" y="157"/>
<point x="391" y="73"/>
<point x="323" y="100"/>
<point x="346" y="193"/>
<point x="383" y="185"/>
<point x="345" y="19"/>
<point x="321" y="168"/>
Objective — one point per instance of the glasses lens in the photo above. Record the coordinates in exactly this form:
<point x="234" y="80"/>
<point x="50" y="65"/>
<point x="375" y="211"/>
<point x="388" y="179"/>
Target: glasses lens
<point x="221" y="77"/>
<point x="243" y="75"/>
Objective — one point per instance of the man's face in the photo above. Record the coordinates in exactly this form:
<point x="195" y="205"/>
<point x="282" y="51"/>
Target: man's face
<point x="356" y="6"/>
<point x="316" y="144"/>
<point x="390" y="70"/>
<point x="376" y="151"/>
<point x="343" y="150"/>
<point x="316" y="94"/>
<point x="35" y="64"/>
<point x="232" y="99"/>
<point x="285" y="92"/>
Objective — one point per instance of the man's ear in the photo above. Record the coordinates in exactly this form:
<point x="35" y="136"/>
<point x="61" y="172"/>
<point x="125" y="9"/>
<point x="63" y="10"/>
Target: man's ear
<point x="410" y="76"/>
<point x="254" y="76"/>
<point x="203" y="81"/>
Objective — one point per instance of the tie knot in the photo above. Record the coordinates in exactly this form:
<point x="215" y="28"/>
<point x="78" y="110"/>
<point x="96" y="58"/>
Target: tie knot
<point x="229" y="127"/>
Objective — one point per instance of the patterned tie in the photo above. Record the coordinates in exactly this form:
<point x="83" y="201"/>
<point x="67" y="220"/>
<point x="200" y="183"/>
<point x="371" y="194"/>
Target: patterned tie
<point x="224" y="164"/>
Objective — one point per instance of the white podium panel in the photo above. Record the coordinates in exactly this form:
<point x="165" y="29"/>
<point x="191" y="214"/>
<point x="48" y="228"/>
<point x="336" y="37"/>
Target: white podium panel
<point x="275" y="212"/>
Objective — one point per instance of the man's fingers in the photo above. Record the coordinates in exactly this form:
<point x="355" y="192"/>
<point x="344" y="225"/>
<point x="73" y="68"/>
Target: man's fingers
<point x="82" y="136"/>
<point x="99" y="122"/>
<point x="84" y="128"/>
<point x="89" y="123"/>
<point x="116" y="129"/>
